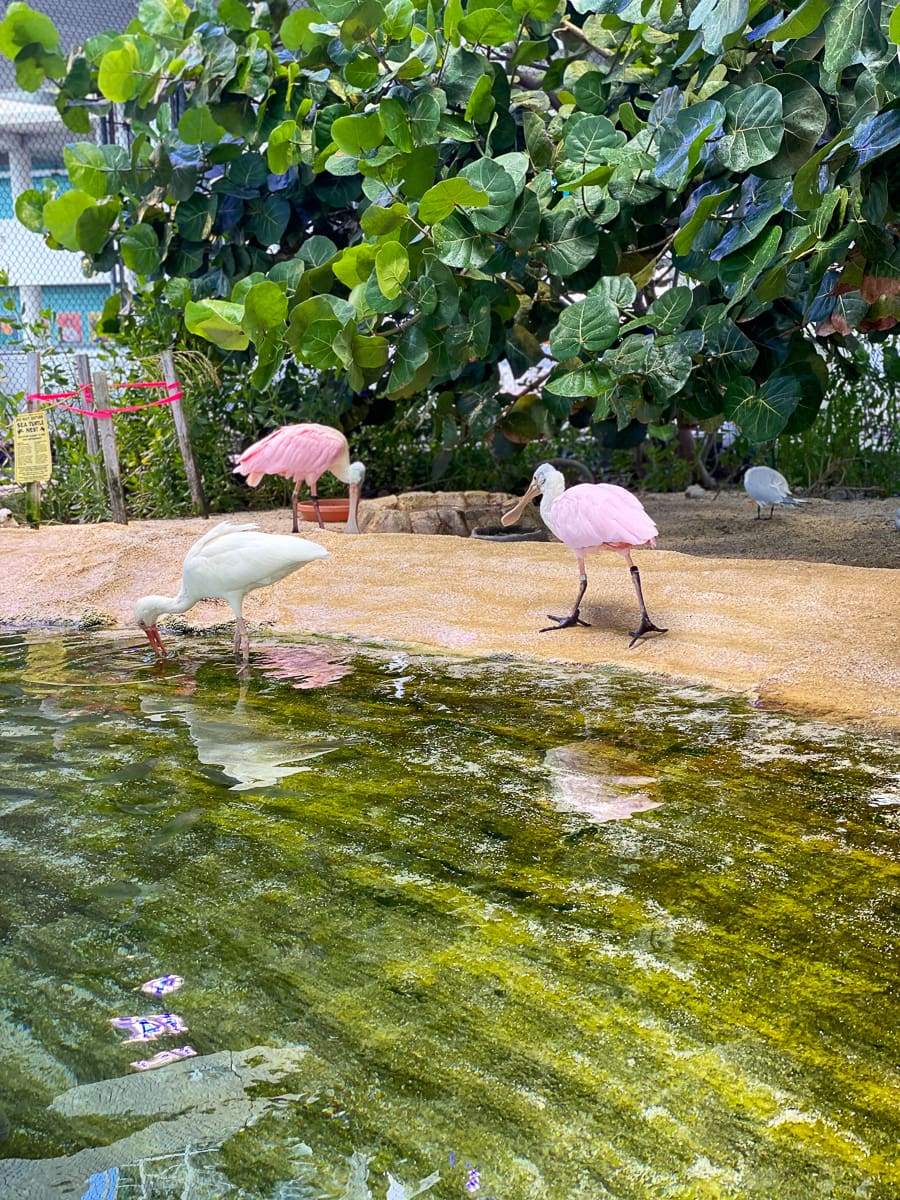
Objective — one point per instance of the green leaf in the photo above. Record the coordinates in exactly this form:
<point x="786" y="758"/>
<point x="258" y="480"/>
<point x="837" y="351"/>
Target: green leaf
<point x="410" y="354"/>
<point x="853" y="34"/>
<point x="668" y="311"/>
<point x="761" y="412"/>
<point x="577" y="383"/>
<point x="753" y="127"/>
<point x="706" y="205"/>
<point x="355" y="264"/>
<point x="619" y="289"/>
<point x="717" y="20"/>
<point x="591" y="324"/>
<point x="591" y="91"/>
<point x="570" y="242"/>
<point x="480" y="105"/>
<point x="805" y="119"/>
<point x="424" y="117"/>
<point x="487" y="176"/>
<point x="61" y="217"/>
<point x="487" y="27"/>
<point x="358" y="133"/>
<point x="441" y="200"/>
<point x="22" y="26"/>
<point x="396" y="123"/>
<point x="197" y="126"/>
<point x="391" y="269"/>
<point x="265" y="309"/>
<point x="459" y="244"/>
<point x="894" y="25"/>
<point x="118" y="78"/>
<point x="95" y="169"/>
<point x="682" y="140"/>
<point x="801" y="22"/>
<point x="590" y="140"/>
<point x="525" y="221"/>
<point x="740" y="271"/>
<point x="218" y="321"/>
<point x="876" y="135"/>
<point x="317" y="250"/>
<point x="267" y="218"/>
<point x="317" y="347"/>
<point x="140" y="249"/>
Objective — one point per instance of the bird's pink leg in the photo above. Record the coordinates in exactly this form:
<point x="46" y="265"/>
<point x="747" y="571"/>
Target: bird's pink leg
<point x="241" y="639"/>
<point x="573" y="617"/>
<point x="646" y="625"/>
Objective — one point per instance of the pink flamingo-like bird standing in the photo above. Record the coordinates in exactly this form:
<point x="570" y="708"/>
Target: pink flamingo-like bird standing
<point x="591" y="517"/>
<point x="303" y="453"/>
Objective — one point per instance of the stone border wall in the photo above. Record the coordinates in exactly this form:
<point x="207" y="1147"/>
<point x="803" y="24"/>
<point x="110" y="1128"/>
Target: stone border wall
<point x="455" y="513"/>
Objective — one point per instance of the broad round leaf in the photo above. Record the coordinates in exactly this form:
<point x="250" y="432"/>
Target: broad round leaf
<point x="61" y="217"/>
<point x="754" y="127"/>
<point x="218" y="321"/>
<point x="570" y="242"/>
<point x="591" y="324"/>
<point x="440" y="200"/>
<point x="140" y="249"/>
<point x="391" y="269"/>
<point x="500" y="187"/>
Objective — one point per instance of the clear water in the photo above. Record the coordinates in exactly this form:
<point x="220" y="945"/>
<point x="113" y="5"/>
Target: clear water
<point x="486" y="929"/>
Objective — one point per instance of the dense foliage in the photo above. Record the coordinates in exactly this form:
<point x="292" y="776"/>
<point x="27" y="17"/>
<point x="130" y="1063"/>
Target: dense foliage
<point x="692" y="203"/>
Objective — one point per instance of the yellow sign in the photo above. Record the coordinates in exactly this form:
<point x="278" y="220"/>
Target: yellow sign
<point x="31" y="447"/>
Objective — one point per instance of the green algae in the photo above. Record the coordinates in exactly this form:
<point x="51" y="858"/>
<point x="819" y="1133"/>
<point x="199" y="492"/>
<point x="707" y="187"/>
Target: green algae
<point x="695" y="1001"/>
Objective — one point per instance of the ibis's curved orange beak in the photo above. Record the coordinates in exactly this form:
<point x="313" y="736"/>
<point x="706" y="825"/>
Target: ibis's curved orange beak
<point x="510" y="518"/>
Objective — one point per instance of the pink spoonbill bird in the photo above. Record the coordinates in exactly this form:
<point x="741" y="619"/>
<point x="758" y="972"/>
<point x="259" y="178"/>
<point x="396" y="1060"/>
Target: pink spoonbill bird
<point x="303" y="453"/>
<point x="590" y="517"/>
<point x="226" y="564"/>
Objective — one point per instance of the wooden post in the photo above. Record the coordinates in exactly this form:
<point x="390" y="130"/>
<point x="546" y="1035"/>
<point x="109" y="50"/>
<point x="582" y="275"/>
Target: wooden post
<point x="107" y="436"/>
<point x="83" y="364"/>
<point x="32" y="387"/>
<point x="198" y="499"/>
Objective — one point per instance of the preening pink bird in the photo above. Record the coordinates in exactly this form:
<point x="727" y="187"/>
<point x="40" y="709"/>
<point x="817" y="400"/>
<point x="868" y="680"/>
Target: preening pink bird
<point x="303" y="453"/>
<point x="226" y="564"/>
<point x="591" y="517"/>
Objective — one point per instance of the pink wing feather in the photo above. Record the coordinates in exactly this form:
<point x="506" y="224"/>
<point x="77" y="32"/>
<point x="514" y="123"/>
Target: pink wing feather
<point x="298" y="452"/>
<point x="601" y="514"/>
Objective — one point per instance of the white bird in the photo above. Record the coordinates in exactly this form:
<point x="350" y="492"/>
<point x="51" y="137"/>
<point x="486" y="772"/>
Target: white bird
<point x="225" y="564"/>
<point x="765" y="486"/>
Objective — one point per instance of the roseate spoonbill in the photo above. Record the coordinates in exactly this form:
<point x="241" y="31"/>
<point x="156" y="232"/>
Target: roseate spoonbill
<point x="590" y="517"/>
<point x="225" y="564"/>
<point x="303" y="453"/>
<point x="765" y="486"/>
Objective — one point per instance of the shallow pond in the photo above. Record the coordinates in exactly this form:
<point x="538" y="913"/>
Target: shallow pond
<point x="445" y="929"/>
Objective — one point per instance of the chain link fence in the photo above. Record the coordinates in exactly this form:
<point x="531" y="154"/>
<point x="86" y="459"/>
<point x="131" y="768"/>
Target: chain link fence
<point x="46" y="300"/>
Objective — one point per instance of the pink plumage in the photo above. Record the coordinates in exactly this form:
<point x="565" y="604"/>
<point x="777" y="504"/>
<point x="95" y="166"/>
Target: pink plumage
<point x="593" y="515"/>
<point x="298" y="452"/>
<point x="303" y="453"/>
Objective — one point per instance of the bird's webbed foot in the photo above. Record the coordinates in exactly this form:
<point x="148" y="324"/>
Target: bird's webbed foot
<point x="565" y="622"/>
<point x="646" y="626"/>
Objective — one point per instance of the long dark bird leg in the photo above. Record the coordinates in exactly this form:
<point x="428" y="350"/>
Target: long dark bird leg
<point x="646" y="625"/>
<point x="315" y="504"/>
<point x="295" y="495"/>
<point x="573" y="617"/>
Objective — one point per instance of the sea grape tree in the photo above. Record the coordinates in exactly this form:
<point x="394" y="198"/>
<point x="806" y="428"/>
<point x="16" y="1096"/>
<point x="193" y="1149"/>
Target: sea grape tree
<point x="671" y="204"/>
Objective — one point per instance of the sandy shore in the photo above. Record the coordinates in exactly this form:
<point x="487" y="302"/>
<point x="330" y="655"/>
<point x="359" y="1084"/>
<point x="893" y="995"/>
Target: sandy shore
<point x="808" y="637"/>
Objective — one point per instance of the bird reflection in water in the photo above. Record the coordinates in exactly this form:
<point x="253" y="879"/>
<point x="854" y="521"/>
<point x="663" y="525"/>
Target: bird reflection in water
<point x="240" y="741"/>
<point x="301" y="666"/>
<point x="586" y="778"/>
